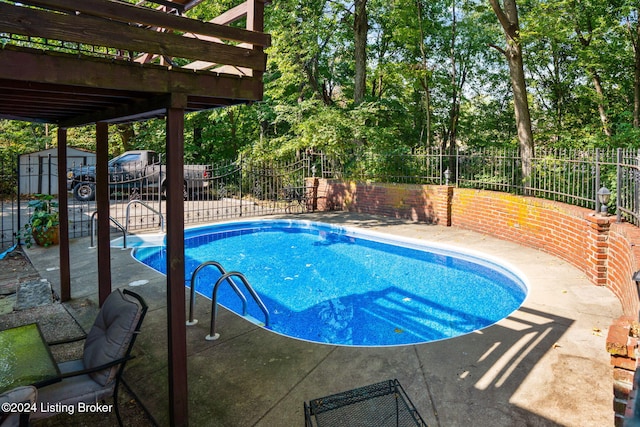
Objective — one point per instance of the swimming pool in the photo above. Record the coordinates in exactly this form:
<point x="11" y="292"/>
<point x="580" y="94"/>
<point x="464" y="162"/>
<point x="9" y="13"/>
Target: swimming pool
<point x="346" y="286"/>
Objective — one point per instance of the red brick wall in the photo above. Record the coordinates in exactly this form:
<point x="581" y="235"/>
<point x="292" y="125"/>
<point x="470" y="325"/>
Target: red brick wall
<point x="623" y="262"/>
<point x="423" y="203"/>
<point x="571" y="233"/>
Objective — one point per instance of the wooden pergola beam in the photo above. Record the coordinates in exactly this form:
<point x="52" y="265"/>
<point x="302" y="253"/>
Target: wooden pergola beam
<point x="103" y="32"/>
<point x="101" y="90"/>
<point x="123" y="113"/>
<point x="102" y="75"/>
<point x="47" y="89"/>
<point x="129" y="13"/>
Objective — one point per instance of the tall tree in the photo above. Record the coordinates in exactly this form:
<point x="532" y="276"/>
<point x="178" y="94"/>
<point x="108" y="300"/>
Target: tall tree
<point x="127" y="134"/>
<point x="424" y="79"/>
<point x="508" y="18"/>
<point x="457" y="81"/>
<point x="552" y="69"/>
<point x="585" y="33"/>
<point x="631" y="17"/>
<point x="360" y="32"/>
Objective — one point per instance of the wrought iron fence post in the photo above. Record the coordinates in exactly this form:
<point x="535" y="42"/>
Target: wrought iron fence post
<point x="159" y="183"/>
<point x="618" y="185"/>
<point x="441" y="165"/>
<point x="636" y="187"/>
<point x="19" y="211"/>
<point x="597" y="186"/>
<point x="241" y="172"/>
<point x="49" y="172"/>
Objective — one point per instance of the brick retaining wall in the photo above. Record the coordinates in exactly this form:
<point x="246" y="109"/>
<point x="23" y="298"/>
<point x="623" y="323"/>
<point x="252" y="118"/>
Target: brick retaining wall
<point x="606" y="251"/>
<point x="565" y="231"/>
<point x="423" y="203"/>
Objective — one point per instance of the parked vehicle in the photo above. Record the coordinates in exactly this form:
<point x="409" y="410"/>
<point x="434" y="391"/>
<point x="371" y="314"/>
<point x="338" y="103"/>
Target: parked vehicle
<point x="135" y="173"/>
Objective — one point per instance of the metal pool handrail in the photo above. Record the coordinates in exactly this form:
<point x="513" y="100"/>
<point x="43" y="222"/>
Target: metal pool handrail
<point x="140" y="202"/>
<point x="214" y="298"/>
<point x="114" y="221"/>
<point x="192" y="296"/>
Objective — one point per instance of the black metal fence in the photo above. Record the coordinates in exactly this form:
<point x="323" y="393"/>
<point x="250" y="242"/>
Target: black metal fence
<point x="568" y="176"/>
<point x="211" y="192"/>
<point x="246" y="188"/>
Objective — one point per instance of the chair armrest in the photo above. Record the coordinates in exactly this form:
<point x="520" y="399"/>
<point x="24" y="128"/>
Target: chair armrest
<point x="67" y="341"/>
<point x="97" y="368"/>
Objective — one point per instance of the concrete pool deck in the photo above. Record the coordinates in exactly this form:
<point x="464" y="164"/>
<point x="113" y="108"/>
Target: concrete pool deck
<point x="544" y="365"/>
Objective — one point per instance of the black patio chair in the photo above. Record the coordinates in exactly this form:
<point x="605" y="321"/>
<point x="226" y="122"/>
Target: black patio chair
<point x="107" y="348"/>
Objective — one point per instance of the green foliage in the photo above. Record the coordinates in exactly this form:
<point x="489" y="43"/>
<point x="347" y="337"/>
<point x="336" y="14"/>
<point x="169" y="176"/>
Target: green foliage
<point x="44" y="217"/>
<point x="308" y="125"/>
<point x="213" y="136"/>
<point x="429" y="75"/>
<point x="21" y="137"/>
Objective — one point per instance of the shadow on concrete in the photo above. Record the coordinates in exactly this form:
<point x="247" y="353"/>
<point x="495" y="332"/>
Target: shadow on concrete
<point x="252" y="376"/>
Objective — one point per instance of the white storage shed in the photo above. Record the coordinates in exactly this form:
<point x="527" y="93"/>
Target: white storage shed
<point x="39" y="170"/>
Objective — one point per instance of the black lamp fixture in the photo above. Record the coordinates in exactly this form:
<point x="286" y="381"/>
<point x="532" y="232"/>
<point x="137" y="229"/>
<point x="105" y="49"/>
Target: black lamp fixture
<point x="604" y="195"/>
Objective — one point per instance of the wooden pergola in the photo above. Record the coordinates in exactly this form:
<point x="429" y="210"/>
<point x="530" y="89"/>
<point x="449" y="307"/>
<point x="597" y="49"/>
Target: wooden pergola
<point x="74" y="63"/>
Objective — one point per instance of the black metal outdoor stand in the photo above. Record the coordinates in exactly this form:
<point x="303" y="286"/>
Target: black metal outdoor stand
<point x="384" y="404"/>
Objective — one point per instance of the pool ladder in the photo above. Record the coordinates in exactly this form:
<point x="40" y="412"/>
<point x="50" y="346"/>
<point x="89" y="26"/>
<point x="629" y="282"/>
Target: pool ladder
<point x="225" y="277"/>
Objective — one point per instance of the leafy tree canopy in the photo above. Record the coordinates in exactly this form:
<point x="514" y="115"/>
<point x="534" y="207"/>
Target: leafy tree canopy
<point x="434" y="77"/>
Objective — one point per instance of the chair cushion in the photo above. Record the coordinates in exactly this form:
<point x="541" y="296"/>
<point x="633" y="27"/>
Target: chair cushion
<point x="70" y="391"/>
<point x="16" y="395"/>
<point x="110" y="335"/>
<point x="26" y="393"/>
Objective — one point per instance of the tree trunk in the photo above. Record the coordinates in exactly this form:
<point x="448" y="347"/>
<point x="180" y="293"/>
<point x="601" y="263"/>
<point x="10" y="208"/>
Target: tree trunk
<point x="360" y="30"/>
<point x="234" y="128"/>
<point x="636" y="85"/>
<point x="635" y="39"/>
<point x="604" y="118"/>
<point x="597" y="81"/>
<point x="127" y="133"/>
<point x="426" y="99"/>
<point x="424" y="80"/>
<point x="454" y="109"/>
<point x="197" y="135"/>
<point x="508" y="18"/>
<point x="454" y="117"/>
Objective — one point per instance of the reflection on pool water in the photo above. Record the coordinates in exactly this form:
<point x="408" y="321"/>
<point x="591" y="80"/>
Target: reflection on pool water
<point x="343" y="286"/>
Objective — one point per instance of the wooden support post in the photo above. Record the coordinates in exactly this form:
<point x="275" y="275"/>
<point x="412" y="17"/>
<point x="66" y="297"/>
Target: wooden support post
<point x="255" y="22"/>
<point x="63" y="205"/>
<point x="255" y="16"/>
<point x="102" y="204"/>
<point x="176" y="313"/>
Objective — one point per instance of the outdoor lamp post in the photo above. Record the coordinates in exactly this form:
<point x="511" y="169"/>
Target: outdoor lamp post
<point x="447" y="175"/>
<point x="604" y="195"/>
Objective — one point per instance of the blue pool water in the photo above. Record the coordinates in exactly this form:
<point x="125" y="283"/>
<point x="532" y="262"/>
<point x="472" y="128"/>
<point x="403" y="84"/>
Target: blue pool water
<point x="342" y="286"/>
